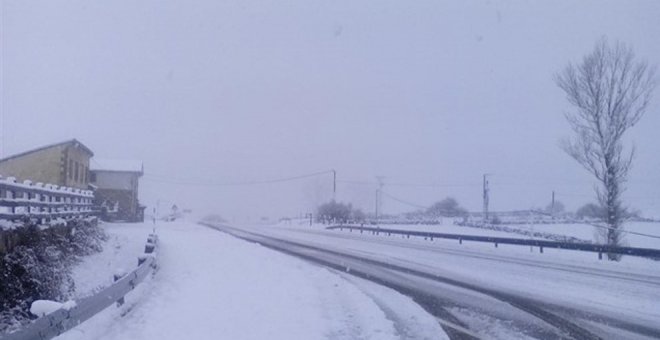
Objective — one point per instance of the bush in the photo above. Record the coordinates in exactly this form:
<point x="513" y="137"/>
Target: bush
<point x="40" y="267"/>
<point x="592" y="211"/>
<point x="448" y="207"/>
<point x="334" y="212"/>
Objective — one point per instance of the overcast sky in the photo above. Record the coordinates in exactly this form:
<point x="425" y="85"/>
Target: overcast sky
<point x="428" y="94"/>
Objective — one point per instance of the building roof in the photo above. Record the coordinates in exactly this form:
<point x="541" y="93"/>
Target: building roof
<point x="118" y="165"/>
<point x="70" y="141"/>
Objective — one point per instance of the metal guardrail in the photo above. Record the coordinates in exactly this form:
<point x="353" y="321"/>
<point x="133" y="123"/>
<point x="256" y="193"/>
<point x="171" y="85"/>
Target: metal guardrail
<point x="590" y="247"/>
<point x="38" y="200"/>
<point x="62" y="320"/>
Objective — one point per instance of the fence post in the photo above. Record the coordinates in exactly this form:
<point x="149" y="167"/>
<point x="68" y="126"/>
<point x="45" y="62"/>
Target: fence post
<point x="460" y="240"/>
<point x="541" y="249"/>
<point x="495" y="244"/>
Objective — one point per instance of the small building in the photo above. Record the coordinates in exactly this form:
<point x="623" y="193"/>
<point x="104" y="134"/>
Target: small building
<point x="63" y="164"/>
<point x="116" y="189"/>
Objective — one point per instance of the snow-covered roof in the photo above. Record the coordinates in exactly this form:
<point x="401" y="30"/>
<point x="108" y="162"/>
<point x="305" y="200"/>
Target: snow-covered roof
<point x="99" y="164"/>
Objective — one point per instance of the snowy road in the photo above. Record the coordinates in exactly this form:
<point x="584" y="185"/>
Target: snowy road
<point x="503" y="293"/>
<point x="213" y="286"/>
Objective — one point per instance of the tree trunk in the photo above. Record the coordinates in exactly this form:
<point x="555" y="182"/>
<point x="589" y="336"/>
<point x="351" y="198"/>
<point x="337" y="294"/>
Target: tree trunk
<point x="614" y="211"/>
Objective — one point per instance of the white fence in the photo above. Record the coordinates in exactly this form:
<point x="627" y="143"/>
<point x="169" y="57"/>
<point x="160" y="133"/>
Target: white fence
<point x="42" y="201"/>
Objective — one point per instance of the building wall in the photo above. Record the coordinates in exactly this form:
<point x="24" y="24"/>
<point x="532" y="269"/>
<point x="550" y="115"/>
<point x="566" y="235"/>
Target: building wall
<point x="118" y="186"/>
<point x="116" y="180"/>
<point x="55" y="165"/>
<point x="128" y="204"/>
<point x="75" y="172"/>
<point x="39" y="166"/>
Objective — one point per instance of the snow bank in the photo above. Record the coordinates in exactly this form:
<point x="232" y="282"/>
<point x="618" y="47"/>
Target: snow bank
<point x="41" y="308"/>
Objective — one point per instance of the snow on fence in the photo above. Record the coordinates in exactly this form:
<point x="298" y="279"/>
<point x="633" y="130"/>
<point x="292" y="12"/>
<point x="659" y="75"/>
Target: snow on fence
<point x="71" y="314"/>
<point x="590" y="247"/>
<point x="42" y="201"/>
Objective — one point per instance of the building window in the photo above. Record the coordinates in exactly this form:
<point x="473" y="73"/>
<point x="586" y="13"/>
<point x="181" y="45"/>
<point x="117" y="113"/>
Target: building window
<point x="70" y="169"/>
<point x="75" y="176"/>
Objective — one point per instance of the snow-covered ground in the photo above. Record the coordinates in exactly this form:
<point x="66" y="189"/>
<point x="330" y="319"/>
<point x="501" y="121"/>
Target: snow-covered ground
<point x="636" y="234"/>
<point x="211" y="285"/>
<point x="626" y="289"/>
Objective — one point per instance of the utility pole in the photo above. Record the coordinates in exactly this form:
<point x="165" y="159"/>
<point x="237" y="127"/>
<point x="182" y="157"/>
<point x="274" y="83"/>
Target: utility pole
<point x="486" y="198"/>
<point x="378" y="195"/>
<point x="334" y="185"/>
<point x="552" y="205"/>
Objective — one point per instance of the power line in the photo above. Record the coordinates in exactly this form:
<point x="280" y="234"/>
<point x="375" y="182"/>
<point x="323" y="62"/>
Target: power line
<point x="404" y="201"/>
<point x="164" y="179"/>
<point x="623" y="230"/>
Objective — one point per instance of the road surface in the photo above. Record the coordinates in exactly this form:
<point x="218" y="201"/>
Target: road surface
<point x="491" y="293"/>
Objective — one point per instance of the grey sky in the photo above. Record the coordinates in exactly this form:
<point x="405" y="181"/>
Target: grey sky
<point x="423" y="92"/>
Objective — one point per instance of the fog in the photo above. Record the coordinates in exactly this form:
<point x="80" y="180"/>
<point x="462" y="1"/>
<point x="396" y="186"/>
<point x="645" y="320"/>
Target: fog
<point x="224" y="100"/>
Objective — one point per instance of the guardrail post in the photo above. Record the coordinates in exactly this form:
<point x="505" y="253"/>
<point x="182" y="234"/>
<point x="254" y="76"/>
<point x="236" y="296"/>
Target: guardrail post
<point x="149" y="248"/>
<point x="495" y="244"/>
<point x="541" y="249"/>
<point x="460" y="240"/>
<point x="117" y="277"/>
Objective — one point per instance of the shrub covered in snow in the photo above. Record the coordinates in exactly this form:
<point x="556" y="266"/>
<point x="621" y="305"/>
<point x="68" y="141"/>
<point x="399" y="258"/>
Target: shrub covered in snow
<point x="40" y="267"/>
<point x="337" y="212"/>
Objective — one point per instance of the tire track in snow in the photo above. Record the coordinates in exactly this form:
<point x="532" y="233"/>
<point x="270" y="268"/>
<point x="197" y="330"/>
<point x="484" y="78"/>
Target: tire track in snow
<point x="431" y="303"/>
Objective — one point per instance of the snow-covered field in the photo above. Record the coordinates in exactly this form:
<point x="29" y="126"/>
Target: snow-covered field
<point x="211" y="286"/>
<point x="636" y="234"/>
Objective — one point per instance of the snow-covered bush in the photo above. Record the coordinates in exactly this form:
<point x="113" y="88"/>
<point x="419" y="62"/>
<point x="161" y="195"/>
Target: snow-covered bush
<point x="40" y="267"/>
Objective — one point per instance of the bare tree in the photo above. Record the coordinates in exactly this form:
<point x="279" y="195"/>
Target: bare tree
<point x="610" y="91"/>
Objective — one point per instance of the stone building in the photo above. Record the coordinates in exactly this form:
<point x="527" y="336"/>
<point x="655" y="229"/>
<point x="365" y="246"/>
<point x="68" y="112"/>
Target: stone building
<point x="62" y="164"/>
<point x="116" y="189"/>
